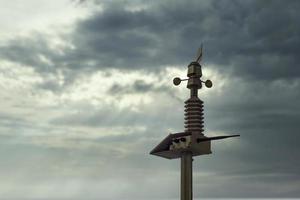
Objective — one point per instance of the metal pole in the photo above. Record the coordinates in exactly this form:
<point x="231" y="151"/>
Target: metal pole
<point x="186" y="176"/>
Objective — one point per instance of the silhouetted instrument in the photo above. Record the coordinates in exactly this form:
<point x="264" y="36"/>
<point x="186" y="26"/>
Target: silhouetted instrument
<point x="191" y="142"/>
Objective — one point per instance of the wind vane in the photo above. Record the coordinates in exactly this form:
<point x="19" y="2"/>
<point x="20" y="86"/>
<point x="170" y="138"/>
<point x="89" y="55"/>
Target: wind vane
<point x="199" y="54"/>
<point x="192" y="141"/>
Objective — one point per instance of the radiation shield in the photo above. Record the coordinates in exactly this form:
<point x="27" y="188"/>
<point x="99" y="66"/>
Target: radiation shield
<point x="164" y="148"/>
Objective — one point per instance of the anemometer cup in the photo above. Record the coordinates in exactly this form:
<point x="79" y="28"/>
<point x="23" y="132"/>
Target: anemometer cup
<point x="176" y="81"/>
<point x="208" y="83"/>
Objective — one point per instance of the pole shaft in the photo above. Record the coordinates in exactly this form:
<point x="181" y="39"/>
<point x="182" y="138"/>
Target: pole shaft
<point x="194" y="92"/>
<point x="186" y="176"/>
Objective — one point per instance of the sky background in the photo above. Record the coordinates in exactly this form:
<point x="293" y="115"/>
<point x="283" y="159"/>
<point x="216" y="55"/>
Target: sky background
<point x="86" y="92"/>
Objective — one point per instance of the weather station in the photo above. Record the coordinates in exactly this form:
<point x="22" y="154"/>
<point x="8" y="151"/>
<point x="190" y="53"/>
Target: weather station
<point x="192" y="141"/>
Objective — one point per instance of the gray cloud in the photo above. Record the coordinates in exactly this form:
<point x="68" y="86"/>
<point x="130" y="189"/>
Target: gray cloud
<point x="138" y="86"/>
<point x="251" y="39"/>
<point x="254" y="43"/>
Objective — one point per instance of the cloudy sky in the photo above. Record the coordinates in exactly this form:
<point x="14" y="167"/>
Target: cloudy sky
<point x="86" y="92"/>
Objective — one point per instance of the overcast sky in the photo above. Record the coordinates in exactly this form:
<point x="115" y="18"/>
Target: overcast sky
<point x="86" y="92"/>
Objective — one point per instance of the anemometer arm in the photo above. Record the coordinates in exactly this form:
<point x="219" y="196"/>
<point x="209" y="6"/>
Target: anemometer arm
<point x="216" y="138"/>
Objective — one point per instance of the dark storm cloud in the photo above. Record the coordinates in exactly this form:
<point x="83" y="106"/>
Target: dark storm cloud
<point x="266" y="114"/>
<point x="252" y="39"/>
<point x="257" y="41"/>
<point x="29" y="52"/>
<point x="138" y="86"/>
<point x="258" y="106"/>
